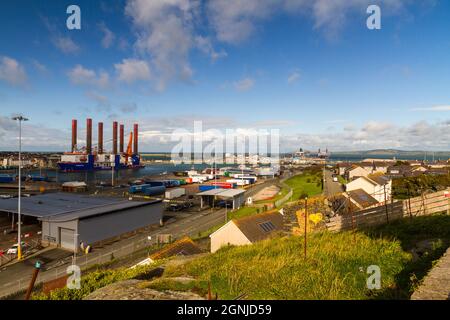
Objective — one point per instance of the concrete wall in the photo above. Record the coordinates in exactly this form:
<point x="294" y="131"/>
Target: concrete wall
<point x="107" y="226"/>
<point x="229" y="234"/>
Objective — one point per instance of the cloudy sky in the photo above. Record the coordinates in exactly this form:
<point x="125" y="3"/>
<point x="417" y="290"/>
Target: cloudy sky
<point x="309" y="68"/>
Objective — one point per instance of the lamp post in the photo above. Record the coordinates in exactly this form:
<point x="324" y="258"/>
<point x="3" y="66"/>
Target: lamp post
<point x="19" y="242"/>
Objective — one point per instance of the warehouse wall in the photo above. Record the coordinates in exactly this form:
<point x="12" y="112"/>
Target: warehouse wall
<point x="50" y="230"/>
<point x="107" y="226"/>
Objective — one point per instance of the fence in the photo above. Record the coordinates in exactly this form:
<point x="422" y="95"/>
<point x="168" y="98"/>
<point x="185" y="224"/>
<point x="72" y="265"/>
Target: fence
<point x="83" y="262"/>
<point x="288" y="196"/>
<point x="425" y="204"/>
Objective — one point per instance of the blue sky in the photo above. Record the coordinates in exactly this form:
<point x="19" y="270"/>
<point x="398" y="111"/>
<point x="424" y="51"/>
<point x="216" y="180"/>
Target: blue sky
<point x="310" y="68"/>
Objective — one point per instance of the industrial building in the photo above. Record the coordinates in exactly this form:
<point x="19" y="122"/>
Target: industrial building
<point x="94" y="157"/>
<point x="71" y="219"/>
<point x="235" y="195"/>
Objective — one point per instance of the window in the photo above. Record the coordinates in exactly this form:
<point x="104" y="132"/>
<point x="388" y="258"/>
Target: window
<point x="267" y="226"/>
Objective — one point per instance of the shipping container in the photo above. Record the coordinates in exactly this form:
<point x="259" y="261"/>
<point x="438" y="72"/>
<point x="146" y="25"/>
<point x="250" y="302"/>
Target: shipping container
<point x="175" y="193"/>
<point x="252" y="179"/>
<point x="239" y="182"/>
<point x="224" y="185"/>
<point x="6" y="178"/>
<point x="154" y="191"/>
<point x="206" y="187"/>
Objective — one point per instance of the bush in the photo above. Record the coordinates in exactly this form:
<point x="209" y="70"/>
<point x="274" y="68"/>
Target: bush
<point x="93" y="281"/>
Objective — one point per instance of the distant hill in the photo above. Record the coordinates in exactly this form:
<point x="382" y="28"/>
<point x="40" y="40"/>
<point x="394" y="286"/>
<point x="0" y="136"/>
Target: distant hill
<point x="391" y="153"/>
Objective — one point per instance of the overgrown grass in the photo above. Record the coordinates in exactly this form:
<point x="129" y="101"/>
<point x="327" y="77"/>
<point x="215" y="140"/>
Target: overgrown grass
<point x="335" y="268"/>
<point x="342" y="180"/>
<point x="276" y="269"/>
<point x="433" y="229"/>
<point x="307" y="184"/>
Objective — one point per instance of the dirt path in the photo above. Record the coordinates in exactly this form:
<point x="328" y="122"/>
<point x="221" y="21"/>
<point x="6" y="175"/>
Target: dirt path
<point x="436" y="285"/>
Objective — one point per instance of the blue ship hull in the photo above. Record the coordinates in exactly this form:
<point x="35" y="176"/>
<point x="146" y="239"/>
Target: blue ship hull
<point x="91" y="166"/>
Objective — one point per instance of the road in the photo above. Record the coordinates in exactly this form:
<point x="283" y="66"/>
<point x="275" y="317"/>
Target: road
<point x="331" y="187"/>
<point x="18" y="275"/>
<point x="56" y="260"/>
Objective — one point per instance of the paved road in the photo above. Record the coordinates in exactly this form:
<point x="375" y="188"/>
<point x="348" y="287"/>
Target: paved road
<point x="436" y="285"/>
<point x="18" y="275"/>
<point x="331" y="187"/>
<point x="56" y="260"/>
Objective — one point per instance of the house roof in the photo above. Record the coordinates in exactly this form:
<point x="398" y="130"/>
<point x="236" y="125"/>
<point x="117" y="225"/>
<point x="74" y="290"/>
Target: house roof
<point x="365" y="178"/>
<point x="362" y="198"/>
<point x="184" y="246"/>
<point x="260" y="226"/>
<point x="379" y="179"/>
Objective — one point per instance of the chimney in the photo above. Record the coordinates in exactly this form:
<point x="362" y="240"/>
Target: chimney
<point x="121" y="138"/>
<point x="100" y="138"/>
<point x="88" y="136"/>
<point x="74" y="135"/>
<point x="135" y="146"/>
<point x="114" y="150"/>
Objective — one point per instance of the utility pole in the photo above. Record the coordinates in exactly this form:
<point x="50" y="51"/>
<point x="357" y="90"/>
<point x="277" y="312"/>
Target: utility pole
<point x="306" y="224"/>
<point x="37" y="267"/>
<point x="385" y="204"/>
<point x="19" y="236"/>
<point x="112" y="174"/>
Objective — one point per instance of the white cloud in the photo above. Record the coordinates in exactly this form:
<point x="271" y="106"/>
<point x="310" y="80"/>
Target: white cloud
<point x="293" y="77"/>
<point x="434" y="108"/>
<point x="131" y="70"/>
<point x="165" y="36"/>
<point x="236" y="20"/>
<point x="204" y="44"/>
<point x="108" y="35"/>
<point x="12" y="71"/>
<point x="244" y="84"/>
<point x="82" y="76"/>
<point x="40" y="67"/>
<point x="65" y="44"/>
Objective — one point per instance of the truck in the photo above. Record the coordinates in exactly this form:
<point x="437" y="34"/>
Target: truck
<point x="175" y="193"/>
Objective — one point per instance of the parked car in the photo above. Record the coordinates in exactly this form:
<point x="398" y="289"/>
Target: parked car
<point x="225" y="204"/>
<point x="188" y="205"/>
<point x="175" y="207"/>
<point x="13" y="249"/>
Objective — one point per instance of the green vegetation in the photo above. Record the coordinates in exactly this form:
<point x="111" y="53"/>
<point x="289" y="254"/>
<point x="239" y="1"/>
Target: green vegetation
<point x="403" y="188"/>
<point x="335" y="268"/>
<point x="342" y="180"/>
<point x="308" y="183"/>
<point x="95" y="280"/>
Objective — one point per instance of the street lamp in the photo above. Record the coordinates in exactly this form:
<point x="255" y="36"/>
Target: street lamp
<point x="19" y="242"/>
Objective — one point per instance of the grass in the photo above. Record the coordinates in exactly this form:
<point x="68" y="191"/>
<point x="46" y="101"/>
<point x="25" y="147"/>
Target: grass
<point x="335" y="268"/>
<point x="308" y="183"/>
<point x="95" y="280"/>
<point x="342" y="180"/>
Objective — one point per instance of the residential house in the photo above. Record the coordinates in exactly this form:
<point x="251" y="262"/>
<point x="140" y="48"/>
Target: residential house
<point x="361" y="199"/>
<point x="182" y="247"/>
<point x="342" y="167"/>
<point x="439" y="165"/>
<point x="356" y="172"/>
<point x="247" y="230"/>
<point x="378" y="186"/>
<point x="399" y="171"/>
<point x="375" y="166"/>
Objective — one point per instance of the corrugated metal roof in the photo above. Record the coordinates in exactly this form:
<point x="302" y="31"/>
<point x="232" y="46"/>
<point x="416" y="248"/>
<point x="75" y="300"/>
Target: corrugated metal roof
<point x="68" y="206"/>
<point x="226" y="193"/>
<point x="229" y="193"/>
<point x="211" y="192"/>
